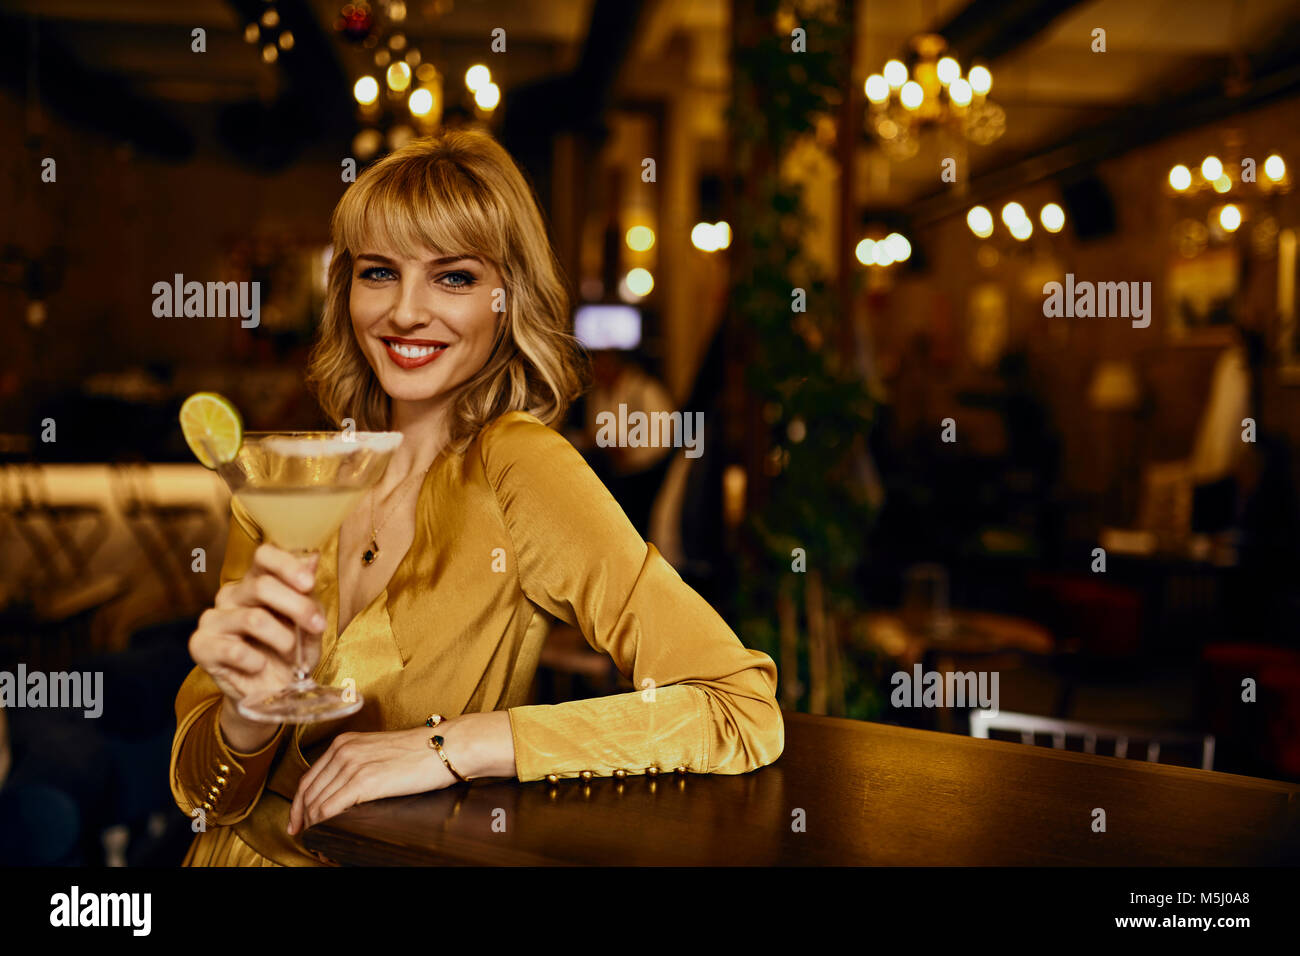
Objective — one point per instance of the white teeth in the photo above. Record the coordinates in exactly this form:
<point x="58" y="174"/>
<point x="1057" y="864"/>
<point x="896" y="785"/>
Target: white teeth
<point x="415" y="351"/>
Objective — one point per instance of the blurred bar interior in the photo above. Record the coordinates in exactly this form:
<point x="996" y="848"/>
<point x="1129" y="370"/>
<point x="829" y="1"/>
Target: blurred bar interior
<point x="918" y="457"/>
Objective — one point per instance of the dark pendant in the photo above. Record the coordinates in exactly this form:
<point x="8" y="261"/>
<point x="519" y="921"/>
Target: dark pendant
<point x="372" y="552"/>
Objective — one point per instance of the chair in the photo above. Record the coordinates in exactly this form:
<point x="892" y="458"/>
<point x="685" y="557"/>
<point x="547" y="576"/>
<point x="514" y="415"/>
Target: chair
<point x="1028" y="726"/>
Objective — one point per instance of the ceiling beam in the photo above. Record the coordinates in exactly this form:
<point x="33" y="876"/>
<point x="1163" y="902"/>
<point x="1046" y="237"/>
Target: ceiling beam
<point x="985" y="30"/>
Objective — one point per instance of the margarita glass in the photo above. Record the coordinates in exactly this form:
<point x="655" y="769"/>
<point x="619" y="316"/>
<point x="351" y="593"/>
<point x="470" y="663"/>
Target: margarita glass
<point x="298" y="487"/>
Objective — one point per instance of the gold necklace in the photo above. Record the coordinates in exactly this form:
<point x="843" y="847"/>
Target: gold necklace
<point x="371" y="554"/>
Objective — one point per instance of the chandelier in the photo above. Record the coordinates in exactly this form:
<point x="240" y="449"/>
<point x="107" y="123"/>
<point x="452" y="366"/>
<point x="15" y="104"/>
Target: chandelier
<point x="1216" y="197"/>
<point x="933" y="96"/>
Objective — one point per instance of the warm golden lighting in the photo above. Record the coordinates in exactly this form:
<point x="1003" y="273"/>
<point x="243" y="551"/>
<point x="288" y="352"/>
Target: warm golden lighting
<point x="981" y="80"/>
<point x="1052" y="217"/>
<point x="722" y="232"/>
<point x="1180" y="177"/>
<point x="1211" y="168"/>
<point x="864" y="251"/>
<point x="980" y="221"/>
<point x="640" y="238"/>
<point x="1013" y="212"/>
<point x="420" y="102"/>
<point x="947" y="70"/>
<point x="882" y="254"/>
<point x="959" y="92"/>
<point x="397" y="42"/>
<point x="1275" y="168"/>
<point x="399" y="76"/>
<point x="899" y="247"/>
<point x="286" y="40"/>
<point x="366" y="90"/>
<point x="639" y="282"/>
<point x="269" y="53"/>
<point x="895" y="73"/>
<point x="477" y="76"/>
<point x="877" y="88"/>
<point x="1222" y="184"/>
<point x="911" y="95"/>
<point x="1230" y="218"/>
<point x="251" y="33"/>
<point x="487" y="96"/>
<point x="426" y="72"/>
<point x="1022" y="228"/>
<point x="270" y="19"/>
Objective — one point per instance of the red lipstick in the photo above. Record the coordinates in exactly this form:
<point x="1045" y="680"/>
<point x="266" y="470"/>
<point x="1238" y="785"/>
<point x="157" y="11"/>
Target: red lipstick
<point x="414" y="353"/>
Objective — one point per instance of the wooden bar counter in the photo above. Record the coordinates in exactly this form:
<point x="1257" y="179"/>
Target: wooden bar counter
<point x="866" y="793"/>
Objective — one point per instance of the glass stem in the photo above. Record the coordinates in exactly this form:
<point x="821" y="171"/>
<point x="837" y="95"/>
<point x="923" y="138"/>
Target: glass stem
<point x="300" y="654"/>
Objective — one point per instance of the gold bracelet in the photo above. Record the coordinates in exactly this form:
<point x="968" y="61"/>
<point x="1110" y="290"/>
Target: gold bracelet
<point x="436" y="743"/>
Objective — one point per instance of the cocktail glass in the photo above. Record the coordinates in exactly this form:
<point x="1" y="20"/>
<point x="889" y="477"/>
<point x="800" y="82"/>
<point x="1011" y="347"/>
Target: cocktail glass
<point x="299" y="486"/>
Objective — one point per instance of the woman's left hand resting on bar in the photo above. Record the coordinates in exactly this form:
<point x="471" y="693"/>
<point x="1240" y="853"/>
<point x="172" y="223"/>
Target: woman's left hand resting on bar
<point x="361" y="767"/>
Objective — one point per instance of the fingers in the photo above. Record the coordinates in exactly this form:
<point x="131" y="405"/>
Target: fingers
<point x="268" y="559"/>
<point x="317" y="776"/>
<point x="299" y="608"/>
<point x="347" y="789"/>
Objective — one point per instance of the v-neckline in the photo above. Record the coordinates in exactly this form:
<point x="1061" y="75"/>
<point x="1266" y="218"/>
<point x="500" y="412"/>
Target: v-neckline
<point x="397" y="569"/>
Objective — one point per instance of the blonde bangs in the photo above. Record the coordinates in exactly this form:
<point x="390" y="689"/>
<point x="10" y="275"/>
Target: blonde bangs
<point x="411" y="207"/>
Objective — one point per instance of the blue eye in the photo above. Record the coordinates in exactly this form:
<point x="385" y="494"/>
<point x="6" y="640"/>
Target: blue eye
<point x="373" y="273"/>
<point x="467" y="278"/>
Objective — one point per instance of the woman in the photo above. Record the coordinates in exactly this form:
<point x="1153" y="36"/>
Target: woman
<point x="445" y="320"/>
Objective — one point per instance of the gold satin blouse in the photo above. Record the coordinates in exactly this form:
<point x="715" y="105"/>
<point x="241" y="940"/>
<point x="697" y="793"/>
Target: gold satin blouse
<point x="513" y="532"/>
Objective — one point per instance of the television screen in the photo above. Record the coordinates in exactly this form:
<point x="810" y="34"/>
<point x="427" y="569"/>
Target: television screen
<point x="607" y="326"/>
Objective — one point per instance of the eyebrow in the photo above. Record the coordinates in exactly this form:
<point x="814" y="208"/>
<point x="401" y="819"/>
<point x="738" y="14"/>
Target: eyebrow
<point x="384" y="260"/>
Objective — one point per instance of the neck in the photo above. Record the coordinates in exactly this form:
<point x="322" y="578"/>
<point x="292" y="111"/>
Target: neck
<point x="424" y="434"/>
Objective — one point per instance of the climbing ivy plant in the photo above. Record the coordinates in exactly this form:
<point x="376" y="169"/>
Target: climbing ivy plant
<point x="812" y="515"/>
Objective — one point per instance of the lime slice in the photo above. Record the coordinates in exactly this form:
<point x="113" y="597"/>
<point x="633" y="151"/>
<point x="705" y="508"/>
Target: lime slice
<point x="207" y="417"/>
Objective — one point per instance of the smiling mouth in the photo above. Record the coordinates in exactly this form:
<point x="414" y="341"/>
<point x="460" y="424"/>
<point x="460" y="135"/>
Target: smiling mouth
<point x="412" y="353"/>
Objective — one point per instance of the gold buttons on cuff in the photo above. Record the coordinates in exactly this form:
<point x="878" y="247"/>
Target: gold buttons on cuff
<point x="586" y="776"/>
<point x="620" y="774"/>
<point x="223" y="768"/>
<point x="679" y="769"/>
<point x="652" y="771"/>
<point x="552" y="778"/>
<point x="206" y="806"/>
<point x="221" y="781"/>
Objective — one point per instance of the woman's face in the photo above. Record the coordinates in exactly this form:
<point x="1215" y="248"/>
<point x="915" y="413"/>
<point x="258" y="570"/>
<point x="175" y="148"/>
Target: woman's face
<point x="425" y="324"/>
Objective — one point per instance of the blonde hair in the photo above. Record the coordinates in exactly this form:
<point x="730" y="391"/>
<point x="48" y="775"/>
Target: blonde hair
<point x="459" y="193"/>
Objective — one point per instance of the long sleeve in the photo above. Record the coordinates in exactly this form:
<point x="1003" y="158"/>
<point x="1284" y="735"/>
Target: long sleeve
<point x="205" y="773"/>
<point x="703" y="701"/>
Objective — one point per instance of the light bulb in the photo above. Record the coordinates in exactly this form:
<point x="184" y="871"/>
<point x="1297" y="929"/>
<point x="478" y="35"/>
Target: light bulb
<point x="911" y="95"/>
<point x="366" y="90"/>
<point x="981" y="80"/>
<point x="1052" y="217"/>
<point x="895" y="73"/>
<point x="1230" y="217"/>
<point x="1275" y="168"/>
<point x="899" y="247"/>
<point x="1180" y="177"/>
<point x="1013" y="212"/>
<point x="959" y="92"/>
<point x="980" y="221"/>
<point x="1211" y="168"/>
<point x="476" y="76"/>
<point x="877" y="88"/>
<point x="947" y="70"/>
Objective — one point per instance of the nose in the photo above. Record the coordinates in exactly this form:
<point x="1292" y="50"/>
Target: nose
<point x="411" y="310"/>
